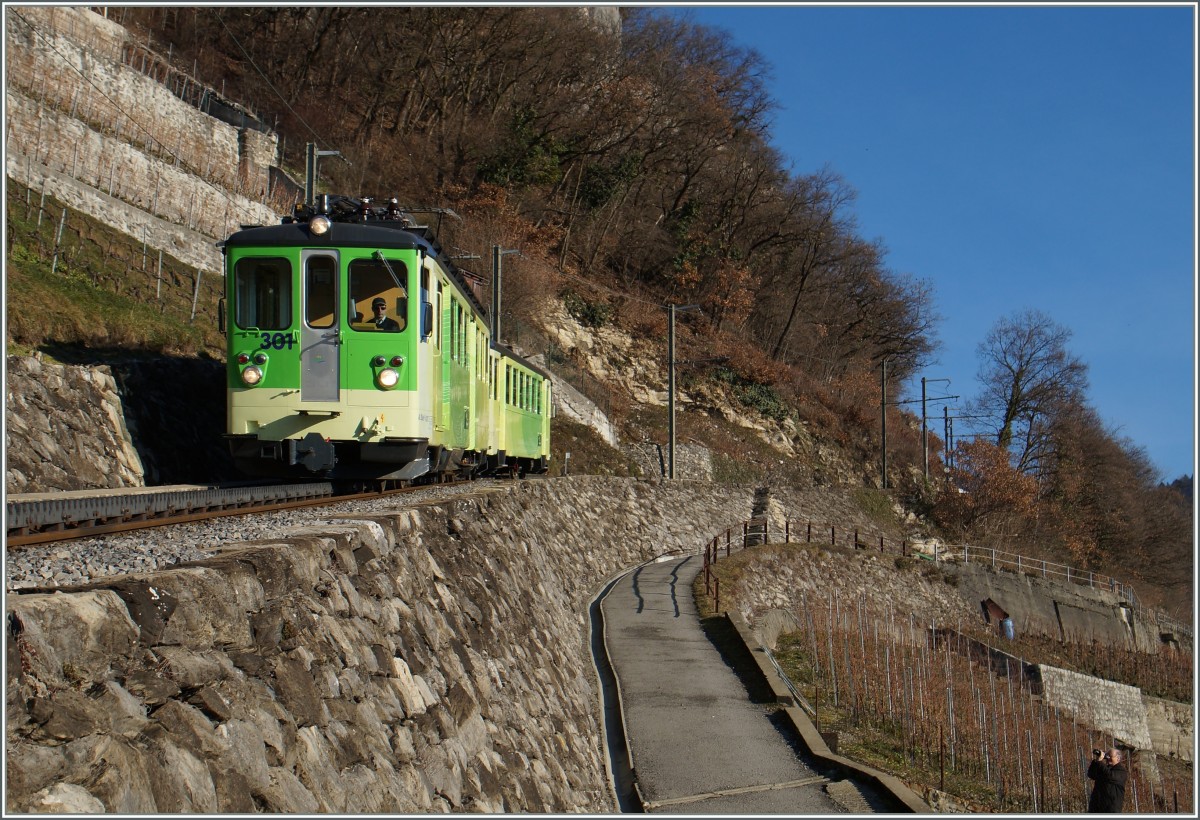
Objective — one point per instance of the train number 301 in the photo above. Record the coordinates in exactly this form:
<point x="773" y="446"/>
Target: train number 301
<point x="277" y="341"/>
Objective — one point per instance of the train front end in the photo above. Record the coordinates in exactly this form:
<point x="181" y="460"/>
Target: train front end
<point x="324" y="329"/>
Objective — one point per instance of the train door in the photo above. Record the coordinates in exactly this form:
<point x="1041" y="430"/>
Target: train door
<point x="319" y="331"/>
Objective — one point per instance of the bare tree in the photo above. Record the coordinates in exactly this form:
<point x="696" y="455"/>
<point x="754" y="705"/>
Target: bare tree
<point x="1026" y="372"/>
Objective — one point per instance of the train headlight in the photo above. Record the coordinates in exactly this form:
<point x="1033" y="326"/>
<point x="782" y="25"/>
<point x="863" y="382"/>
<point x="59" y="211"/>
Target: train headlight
<point x="388" y="378"/>
<point x="319" y="225"/>
<point x="260" y="358"/>
<point x="252" y="375"/>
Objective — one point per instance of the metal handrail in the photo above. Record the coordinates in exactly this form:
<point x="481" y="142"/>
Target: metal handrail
<point x="759" y="528"/>
<point x="787" y="681"/>
<point x="1037" y="566"/>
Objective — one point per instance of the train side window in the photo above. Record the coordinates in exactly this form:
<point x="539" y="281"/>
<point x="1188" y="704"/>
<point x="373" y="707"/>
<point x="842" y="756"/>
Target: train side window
<point x="263" y="290"/>
<point x="437" y="314"/>
<point x="426" y="305"/>
<point x="462" y="332"/>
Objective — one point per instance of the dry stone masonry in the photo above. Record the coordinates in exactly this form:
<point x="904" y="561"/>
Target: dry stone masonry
<point x="65" y="429"/>
<point x="125" y="150"/>
<point x="434" y="659"/>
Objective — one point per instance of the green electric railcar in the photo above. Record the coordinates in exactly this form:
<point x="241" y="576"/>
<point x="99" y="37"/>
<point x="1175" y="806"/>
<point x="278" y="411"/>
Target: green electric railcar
<point x="358" y="352"/>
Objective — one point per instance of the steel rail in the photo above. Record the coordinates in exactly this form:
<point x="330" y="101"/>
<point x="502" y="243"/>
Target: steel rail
<point x="130" y="521"/>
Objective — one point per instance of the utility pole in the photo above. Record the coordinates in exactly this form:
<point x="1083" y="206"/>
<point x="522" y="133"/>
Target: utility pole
<point x="924" y="429"/>
<point x="671" y="391"/>
<point x="311" y="155"/>
<point x="883" y="416"/>
<point x="946" y="435"/>
<point x="671" y="384"/>
<point x="949" y="436"/>
<point x="498" y="254"/>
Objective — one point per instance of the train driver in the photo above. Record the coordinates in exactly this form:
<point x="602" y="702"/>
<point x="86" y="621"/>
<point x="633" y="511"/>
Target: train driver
<point x="381" y="319"/>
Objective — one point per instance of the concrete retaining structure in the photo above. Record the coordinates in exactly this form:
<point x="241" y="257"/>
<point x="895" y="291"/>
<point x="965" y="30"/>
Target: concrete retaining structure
<point x="1062" y="611"/>
<point x="432" y="659"/>
<point x="1172" y="727"/>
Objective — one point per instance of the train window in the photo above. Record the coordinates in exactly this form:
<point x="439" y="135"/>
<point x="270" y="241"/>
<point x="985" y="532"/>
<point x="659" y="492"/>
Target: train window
<point x="437" y="313"/>
<point x="458" y="330"/>
<point x="426" y="305"/>
<point x="320" y="291"/>
<point x="372" y="280"/>
<point x="462" y="335"/>
<point x="263" y="290"/>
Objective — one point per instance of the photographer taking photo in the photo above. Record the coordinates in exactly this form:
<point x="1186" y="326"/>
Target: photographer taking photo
<point x="1110" y="774"/>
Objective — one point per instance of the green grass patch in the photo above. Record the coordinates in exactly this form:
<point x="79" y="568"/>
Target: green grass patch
<point x="90" y="286"/>
<point x="590" y="453"/>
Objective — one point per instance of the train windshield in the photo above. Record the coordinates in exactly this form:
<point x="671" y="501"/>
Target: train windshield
<point x="378" y="294"/>
<point x="263" y="289"/>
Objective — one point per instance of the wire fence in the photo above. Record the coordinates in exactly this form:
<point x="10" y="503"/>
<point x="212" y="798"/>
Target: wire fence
<point x="109" y="136"/>
<point x="125" y="266"/>
<point x="533" y="343"/>
<point x="944" y="708"/>
<point x="855" y="538"/>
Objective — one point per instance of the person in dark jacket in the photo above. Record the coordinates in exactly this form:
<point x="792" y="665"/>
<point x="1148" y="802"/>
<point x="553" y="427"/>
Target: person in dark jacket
<point x="1110" y="774"/>
<point x="382" y="320"/>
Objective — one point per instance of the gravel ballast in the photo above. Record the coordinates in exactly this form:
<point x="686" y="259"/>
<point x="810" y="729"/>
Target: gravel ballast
<point x="72" y="563"/>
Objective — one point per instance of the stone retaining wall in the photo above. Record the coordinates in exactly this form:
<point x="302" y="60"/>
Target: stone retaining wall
<point x="433" y="659"/>
<point x="65" y="429"/>
<point x="1113" y="708"/>
<point x="70" y="59"/>
<point x="122" y="147"/>
<point x="691" y="460"/>
<point x="119" y="425"/>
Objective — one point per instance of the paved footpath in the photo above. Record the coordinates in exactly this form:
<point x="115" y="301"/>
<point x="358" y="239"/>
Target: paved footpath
<point x="698" y="745"/>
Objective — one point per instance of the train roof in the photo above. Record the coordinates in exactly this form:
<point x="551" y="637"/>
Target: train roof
<point x="355" y="223"/>
<point x="360" y="234"/>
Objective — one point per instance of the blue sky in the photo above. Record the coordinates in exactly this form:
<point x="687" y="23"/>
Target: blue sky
<point x="1014" y="157"/>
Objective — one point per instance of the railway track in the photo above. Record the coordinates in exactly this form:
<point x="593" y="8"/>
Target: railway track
<point x="43" y="518"/>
